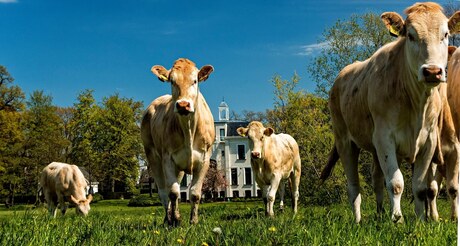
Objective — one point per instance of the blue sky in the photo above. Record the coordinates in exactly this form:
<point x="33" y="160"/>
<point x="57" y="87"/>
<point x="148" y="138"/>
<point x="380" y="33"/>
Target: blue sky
<point x="65" y="47"/>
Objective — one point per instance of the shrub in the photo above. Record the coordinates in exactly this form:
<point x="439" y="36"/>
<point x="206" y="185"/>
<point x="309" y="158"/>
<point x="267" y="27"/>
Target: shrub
<point x="97" y="197"/>
<point x="144" y="200"/>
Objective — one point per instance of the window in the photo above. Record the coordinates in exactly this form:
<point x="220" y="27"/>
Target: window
<point x="247" y="176"/>
<point x="183" y="182"/>
<point x="236" y="193"/>
<point x="183" y="196"/>
<point x="241" y="152"/>
<point x="223" y="153"/>
<point x="222" y="134"/>
<point x="247" y="193"/>
<point x="234" y="176"/>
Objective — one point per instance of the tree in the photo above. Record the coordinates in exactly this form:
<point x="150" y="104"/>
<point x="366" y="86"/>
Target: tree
<point x="83" y="126"/>
<point x="11" y="145"/>
<point x="11" y="97"/>
<point x="44" y="137"/>
<point x="351" y="40"/>
<point x="450" y="8"/>
<point x="214" y="181"/>
<point x="118" y="142"/>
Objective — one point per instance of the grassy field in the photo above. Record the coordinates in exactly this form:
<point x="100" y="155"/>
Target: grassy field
<point x="112" y="222"/>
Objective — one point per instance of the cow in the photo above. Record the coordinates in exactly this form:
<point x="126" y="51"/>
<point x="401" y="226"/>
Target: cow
<point x="389" y="105"/>
<point x="274" y="158"/>
<point x="61" y="182"/>
<point x="177" y="132"/>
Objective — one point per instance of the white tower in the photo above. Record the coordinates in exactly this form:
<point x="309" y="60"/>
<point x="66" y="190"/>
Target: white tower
<point x="224" y="114"/>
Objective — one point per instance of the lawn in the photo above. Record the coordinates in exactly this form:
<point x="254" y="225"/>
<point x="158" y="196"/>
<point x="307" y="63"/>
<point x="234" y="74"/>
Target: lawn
<point x="112" y="222"/>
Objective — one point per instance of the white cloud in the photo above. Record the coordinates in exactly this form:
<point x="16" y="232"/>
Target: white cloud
<point x="8" y="1"/>
<point x="311" y="49"/>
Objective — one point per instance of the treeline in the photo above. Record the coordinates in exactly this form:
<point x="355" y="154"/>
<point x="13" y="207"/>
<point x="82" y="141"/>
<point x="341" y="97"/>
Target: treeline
<point x="103" y="138"/>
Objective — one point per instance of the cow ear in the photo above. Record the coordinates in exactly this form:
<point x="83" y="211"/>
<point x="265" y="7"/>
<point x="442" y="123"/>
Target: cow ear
<point x="454" y="23"/>
<point x="394" y="23"/>
<point x="75" y="201"/>
<point x="242" y="131"/>
<point x="268" y="131"/>
<point x="204" y="72"/>
<point x="160" y="72"/>
<point x="89" y="198"/>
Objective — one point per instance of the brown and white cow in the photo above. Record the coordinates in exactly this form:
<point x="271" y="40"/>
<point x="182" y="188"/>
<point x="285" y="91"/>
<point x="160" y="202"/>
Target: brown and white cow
<point x="178" y="131"/>
<point x="274" y="158"/>
<point x="61" y="182"/>
<point x="389" y="105"/>
<point x="445" y="164"/>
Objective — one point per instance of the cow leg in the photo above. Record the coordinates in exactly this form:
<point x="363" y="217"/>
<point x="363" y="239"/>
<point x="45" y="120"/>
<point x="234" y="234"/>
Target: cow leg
<point x="62" y="204"/>
<point x="422" y="187"/>
<point x="378" y="183"/>
<point x="52" y="203"/>
<point x="349" y="153"/>
<point x="172" y="175"/>
<point x="155" y="170"/>
<point x="295" y="182"/>
<point x="264" y="189"/>
<point x="199" y="173"/>
<point x="434" y="182"/>
<point x="452" y="163"/>
<point x="282" y="190"/>
<point x="275" y="182"/>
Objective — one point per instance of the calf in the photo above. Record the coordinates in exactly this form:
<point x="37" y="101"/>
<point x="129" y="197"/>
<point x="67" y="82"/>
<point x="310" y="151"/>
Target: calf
<point x="61" y="182"/>
<point x="274" y="157"/>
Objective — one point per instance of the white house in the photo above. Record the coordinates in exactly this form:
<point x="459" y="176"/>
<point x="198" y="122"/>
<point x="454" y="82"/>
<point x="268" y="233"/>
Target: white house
<point x="232" y="154"/>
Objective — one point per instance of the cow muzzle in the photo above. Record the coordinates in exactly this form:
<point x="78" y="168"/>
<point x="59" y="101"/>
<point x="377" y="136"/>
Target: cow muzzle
<point x="433" y="74"/>
<point x="255" y="155"/>
<point x="184" y="107"/>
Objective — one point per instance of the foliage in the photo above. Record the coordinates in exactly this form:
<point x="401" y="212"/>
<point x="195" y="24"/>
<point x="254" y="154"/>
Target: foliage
<point x="351" y="40"/>
<point x="44" y="139"/>
<point x="97" y="197"/>
<point x="111" y="222"/>
<point x="118" y="142"/>
<point x="144" y="200"/>
<point x="11" y="97"/>
<point x="214" y="181"/>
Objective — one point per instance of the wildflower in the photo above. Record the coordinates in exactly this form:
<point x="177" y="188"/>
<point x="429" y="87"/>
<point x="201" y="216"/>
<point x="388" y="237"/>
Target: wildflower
<point x="204" y="244"/>
<point x="180" y="241"/>
<point x="272" y="229"/>
<point x="157" y="232"/>
<point x="217" y="230"/>
<point x="143" y="231"/>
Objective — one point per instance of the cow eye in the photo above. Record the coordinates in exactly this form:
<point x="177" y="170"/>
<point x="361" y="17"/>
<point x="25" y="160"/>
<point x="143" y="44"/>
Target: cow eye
<point x="445" y="36"/>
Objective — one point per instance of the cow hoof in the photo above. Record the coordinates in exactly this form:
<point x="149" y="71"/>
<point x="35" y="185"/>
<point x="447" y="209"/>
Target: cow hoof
<point x="397" y="219"/>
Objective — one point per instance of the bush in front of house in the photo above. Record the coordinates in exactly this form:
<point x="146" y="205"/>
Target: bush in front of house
<point x="144" y="200"/>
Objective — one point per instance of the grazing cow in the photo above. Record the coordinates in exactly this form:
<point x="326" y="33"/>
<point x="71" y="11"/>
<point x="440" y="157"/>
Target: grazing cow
<point x="178" y="131"/>
<point x="274" y="158"/>
<point x="389" y="105"/>
<point x="61" y="182"/>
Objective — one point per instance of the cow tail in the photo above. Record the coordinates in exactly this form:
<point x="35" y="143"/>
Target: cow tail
<point x="327" y="170"/>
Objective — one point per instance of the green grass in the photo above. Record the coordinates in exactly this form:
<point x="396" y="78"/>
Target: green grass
<point x="114" y="223"/>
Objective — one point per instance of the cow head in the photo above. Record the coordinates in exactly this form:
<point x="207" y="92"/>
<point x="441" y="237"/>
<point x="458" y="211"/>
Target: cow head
<point x="82" y="206"/>
<point x="426" y="31"/>
<point x="184" y="78"/>
<point x="256" y="133"/>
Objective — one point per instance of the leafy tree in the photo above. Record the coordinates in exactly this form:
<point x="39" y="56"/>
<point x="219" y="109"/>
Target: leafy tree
<point x="351" y="40"/>
<point x="83" y="126"/>
<point x="44" y="137"/>
<point x="118" y="143"/>
<point x="214" y="181"/>
<point x="11" y="145"/>
<point x="11" y="97"/>
<point x="450" y="8"/>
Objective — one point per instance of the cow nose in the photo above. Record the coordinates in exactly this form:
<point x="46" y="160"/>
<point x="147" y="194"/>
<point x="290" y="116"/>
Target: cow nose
<point x="432" y="73"/>
<point x="183" y="107"/>
<point x="255" y="155"/>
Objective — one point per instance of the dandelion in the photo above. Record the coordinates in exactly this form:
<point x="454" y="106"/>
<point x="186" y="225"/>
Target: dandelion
<point x="143" y="231"/>
<point x="217" y="230"/>
<point x="204" y="244"/>
<point x="157" y="232"/>
<point x="180" y="241"/>
<point x="272" y="229"/>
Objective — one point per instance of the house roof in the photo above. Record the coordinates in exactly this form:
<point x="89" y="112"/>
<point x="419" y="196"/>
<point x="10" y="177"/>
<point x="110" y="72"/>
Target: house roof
<point x="233" y="125"/>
